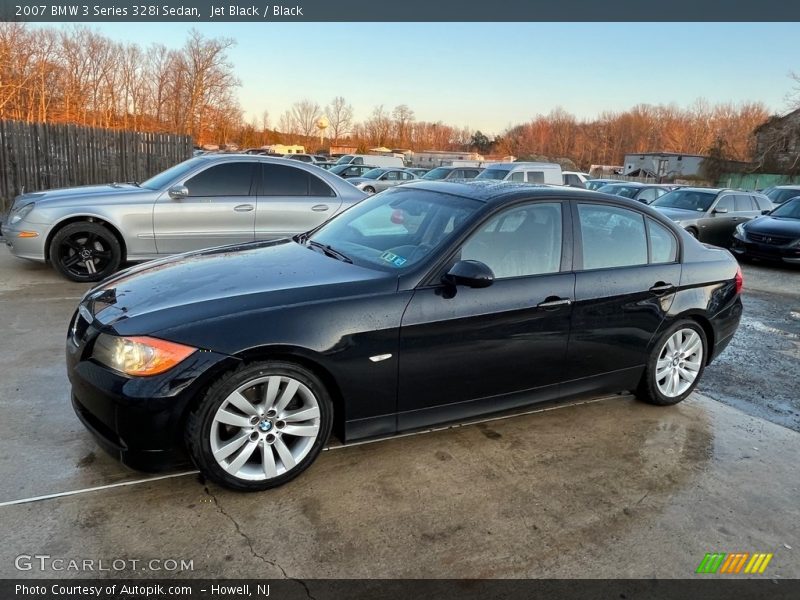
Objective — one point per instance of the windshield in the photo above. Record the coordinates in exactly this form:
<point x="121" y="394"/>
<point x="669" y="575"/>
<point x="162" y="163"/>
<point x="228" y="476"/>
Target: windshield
<point x="788" y="210"/>
<point x="779" y="196"/>
<point x="438" y="173"/>
<point x="694" y="200"/>
<point x="394" y="230"/>
<point x="163" y="179"/>
<point x="373" y="173"/>
<point x="344" y="159"/>
<point x="493" y="174"/>
<point x="626" y="191"/>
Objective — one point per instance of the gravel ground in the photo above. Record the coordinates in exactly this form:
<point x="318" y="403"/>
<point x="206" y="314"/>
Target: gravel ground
<point x="759" y="373"/>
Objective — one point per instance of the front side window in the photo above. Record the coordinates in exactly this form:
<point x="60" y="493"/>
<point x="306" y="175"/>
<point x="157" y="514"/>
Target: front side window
<point x="163" y="179"/>
<point x="535" y="177"/>
<point x="519" y="242"/>
<point x="611" y="237"/>
<point x="227" y="179"/>
<point x="648" y="195"/>
<point x="437" y="173"/>
<point x="743" y="203"/>
<point x="725" y="202"/>
<point x="518" y="176"/>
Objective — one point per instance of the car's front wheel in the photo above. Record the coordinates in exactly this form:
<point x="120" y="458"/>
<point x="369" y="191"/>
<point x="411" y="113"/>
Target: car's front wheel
<point x="260" y="425"/>
<point x="369" y="189"/>
<point x="675" y="364"/>
<point x="85" y="252"/>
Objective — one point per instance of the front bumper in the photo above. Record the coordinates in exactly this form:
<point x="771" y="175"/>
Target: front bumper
<point x="138" y="420"/>
<point x="31" y="248"/>
<point x="772" y="252"/>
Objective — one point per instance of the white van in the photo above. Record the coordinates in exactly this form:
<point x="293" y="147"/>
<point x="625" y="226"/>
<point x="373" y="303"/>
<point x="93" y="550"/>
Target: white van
<point x="376" y="160"/>
<point x="529" y="172"/>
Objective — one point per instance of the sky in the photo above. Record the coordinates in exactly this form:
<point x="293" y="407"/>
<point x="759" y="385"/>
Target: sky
<point x="489" y="76"/>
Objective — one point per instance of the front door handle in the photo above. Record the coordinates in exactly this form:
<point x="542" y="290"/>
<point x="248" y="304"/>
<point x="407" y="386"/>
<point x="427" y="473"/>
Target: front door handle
<point x="661" y="288"/>
<point x="243" y="208"/>
<point x="554" y="302"/>
<point x="320" y="207"/>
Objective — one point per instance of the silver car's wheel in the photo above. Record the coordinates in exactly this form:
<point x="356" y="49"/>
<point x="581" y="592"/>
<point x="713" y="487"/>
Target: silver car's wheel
<point x="679" y="363"/>
<point x="265" y="428"/>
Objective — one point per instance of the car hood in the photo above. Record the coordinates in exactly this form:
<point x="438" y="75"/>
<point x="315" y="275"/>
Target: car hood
<point x="84" y="192"/>
<point x="678" y="214"/>
<point x="217" y="282"/>
<point x="779" y="226"/>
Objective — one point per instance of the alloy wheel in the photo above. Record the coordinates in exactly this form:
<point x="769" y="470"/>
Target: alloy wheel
<point x="85" y="253"/>
<point x="265" y="428"/>
<point x="679" y="362"/>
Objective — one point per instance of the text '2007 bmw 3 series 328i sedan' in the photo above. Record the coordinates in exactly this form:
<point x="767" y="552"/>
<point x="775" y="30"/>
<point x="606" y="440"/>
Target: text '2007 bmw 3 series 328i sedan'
<point x="427" y="303"/>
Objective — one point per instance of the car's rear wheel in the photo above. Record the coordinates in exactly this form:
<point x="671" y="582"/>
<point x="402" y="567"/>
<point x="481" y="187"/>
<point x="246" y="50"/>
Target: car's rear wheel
<point x="675" y="364"/>
<point x="692" y="232"/>
<point x="85" y="251"/>
<point x="260" y="425"/>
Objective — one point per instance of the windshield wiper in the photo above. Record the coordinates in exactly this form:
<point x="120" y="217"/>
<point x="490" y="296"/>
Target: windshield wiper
<point x="329" y="251"/>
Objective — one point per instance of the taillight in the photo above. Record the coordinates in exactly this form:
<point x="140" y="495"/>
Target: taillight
<point x="739" y="280"/>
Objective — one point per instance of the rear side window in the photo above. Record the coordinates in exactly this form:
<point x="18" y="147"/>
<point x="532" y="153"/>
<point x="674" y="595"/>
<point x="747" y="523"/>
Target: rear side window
<point x="611" y="237"/>
<point x="227" y="179"/>
<point x="283" y="180"/>
<point x="663" y="245"/>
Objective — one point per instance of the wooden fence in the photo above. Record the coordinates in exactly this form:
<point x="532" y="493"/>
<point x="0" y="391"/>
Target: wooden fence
<point x="40" y="156"/>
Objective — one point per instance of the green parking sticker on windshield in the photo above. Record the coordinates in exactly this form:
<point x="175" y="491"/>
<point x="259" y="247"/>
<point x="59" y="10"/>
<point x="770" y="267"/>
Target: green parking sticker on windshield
<point x="390" y="257"/>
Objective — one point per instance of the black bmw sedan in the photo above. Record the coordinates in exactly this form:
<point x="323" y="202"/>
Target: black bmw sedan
<point x="773" y="237"/>
<point x="427" y="303"/>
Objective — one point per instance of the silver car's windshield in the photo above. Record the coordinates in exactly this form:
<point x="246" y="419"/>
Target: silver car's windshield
<point x="395" y="229"/>
<point x="695" y="200"/>
<point x="163" y="179"/>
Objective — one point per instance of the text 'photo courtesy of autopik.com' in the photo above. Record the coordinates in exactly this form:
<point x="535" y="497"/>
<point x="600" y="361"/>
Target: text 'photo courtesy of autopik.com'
<point x="361" y="300"/>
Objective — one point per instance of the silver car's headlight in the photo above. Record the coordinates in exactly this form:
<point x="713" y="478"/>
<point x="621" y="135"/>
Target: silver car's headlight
<point x="740" y="230"/>
<point x="19" y="215"/>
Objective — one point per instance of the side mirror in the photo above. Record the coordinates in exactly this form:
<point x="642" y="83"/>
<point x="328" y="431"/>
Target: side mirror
<point x="720" y="211"/>
<point x="470" y="273"/>
<point x="178" y="192"/>
<point x="766" y="212"/>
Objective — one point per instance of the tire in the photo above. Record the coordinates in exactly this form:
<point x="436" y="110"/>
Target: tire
<point x="655" y="388"/>
<point x="369" y="189"/>
<point x="239" y="434"/>
<point x="693" y="232"/>
<point x="85" y="252"/>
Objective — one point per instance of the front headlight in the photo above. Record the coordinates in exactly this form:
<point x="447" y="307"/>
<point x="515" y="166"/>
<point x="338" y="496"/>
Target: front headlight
<point x="19" y="215"/>
<point x="740" y="230"/>
<point x="140" y="356"/>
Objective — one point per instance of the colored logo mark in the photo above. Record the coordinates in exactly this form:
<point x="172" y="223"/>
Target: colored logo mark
<point x="734" y="563"/>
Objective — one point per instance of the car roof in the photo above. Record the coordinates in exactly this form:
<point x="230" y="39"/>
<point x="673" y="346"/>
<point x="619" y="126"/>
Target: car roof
<point x="628" y="184"/>
<point x="515" y="165"/>
<point x="787" y="187"/>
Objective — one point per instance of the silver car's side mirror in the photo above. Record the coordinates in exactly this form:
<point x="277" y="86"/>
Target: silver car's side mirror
<point x="178" y="192"/>
<point x="721" y="211"/>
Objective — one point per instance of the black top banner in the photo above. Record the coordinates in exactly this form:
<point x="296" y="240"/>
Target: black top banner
<point x="191" y="11"/>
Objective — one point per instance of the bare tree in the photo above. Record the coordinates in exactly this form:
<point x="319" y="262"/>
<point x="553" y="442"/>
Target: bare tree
<point x="402" y="116"/>
<point x="340" y="118"/>
<point x="305" y="115"/>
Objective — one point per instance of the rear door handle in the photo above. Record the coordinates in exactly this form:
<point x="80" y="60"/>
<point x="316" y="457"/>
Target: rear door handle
<point x="320" y="207"/>
<point x="554" y="302"/>
<point x="662" y="288"/>
<point x="243" y="208"/>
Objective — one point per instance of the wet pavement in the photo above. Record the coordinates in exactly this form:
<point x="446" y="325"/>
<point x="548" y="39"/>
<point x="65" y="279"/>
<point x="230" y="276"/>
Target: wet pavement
<point x="607" y="488"/>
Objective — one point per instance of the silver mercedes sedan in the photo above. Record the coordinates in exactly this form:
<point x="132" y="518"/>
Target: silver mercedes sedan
<point x="87" y="232"/>
<point x="381" y="179"/>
